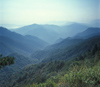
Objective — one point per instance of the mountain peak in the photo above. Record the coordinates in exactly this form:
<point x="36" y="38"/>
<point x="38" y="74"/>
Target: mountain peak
<point x="2" y="30"/>
<point x="34" y="24"/>
<point x="2" y="27"/>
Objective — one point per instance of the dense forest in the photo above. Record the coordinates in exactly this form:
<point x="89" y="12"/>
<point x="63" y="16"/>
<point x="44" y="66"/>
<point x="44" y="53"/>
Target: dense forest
<point x="84" y="70"/>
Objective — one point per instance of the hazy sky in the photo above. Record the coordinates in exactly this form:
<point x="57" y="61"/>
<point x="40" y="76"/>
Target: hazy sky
<point x="24" y="12"/>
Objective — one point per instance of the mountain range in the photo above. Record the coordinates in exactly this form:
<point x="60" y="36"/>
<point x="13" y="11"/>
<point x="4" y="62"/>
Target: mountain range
<point x="52" y="61"/>
<point x="66" y="46"/>
<point x="94" y="23"/>
<point x="14" y="42"/>
<point x="88" y="33"/>
<point x="51" y="33"/>
<point x="38" y="31"/>
<point x="30" y="49"/>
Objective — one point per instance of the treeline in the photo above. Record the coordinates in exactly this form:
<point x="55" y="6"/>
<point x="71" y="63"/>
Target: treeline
<point x="6" y="61"/>
<point x="81" y="71"/>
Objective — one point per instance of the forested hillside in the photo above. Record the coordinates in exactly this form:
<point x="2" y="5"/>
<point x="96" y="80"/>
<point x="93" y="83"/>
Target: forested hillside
<point x="80" y="71"/>
<point x="63" y="52"/>
<point x="55" y="63"/>
<point x="49" y="43"/>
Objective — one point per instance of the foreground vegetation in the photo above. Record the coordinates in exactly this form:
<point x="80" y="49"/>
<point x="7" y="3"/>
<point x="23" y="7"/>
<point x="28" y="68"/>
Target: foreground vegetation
<point x="6" y="61"/>
<point x="83" y="71"/>
<point x="80" y="68"/>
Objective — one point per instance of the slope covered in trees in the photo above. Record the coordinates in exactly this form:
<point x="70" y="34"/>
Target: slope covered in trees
<point x="19" y="63"/>
<point x="83" y="71"/>
<point x="57" y="63"/>
<point x="80" y="71"/>
<point x="72" y="51"/>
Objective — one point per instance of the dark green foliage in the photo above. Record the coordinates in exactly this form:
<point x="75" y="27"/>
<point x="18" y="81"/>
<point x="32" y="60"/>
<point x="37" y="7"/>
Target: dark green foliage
<point x="77" y="64"/>
<point x="81" y="71"/>
<point x="6" y="61"/>
<point x="95" y="48"/>
<point x="20" y="62"/>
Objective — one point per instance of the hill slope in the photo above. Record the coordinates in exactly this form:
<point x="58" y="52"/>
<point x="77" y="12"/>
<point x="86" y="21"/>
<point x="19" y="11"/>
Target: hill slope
<point x="67" y="30"/>
<point x="90" y="32"/>
<point x="38" y="31"/>
<point x="71" y="51"/>
<point x="20" y="62"/>
<point x="13" y="42"/>
<point x="51" y="33"/>
<point x="81" y="71"/>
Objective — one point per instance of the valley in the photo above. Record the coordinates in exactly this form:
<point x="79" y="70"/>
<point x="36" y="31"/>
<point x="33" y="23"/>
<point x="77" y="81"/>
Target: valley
<point x="43" y="63"/>
<point x="49" y="43"/>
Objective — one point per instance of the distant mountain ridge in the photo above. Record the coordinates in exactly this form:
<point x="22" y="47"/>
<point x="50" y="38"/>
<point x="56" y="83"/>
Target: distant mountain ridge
<point x="14" y="42"/>
<point x="38" y="31"/>
<point x="68" y="44"/>
<point x="95" y="23"/>
<point x="71" y="51"/>
<point x="90" y="32"/>
<point x="73" y="29"/>
<point x="17" y="45"/>
<point x="51" y="33"/>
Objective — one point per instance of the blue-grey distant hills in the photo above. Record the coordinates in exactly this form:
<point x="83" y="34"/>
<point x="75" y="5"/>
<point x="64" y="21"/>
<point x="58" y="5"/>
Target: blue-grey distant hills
<point x="72" y="29"/>
<point x="11" y="42"/>
<point x="90" y="32"/>
<point x="51" y="33"/>
<point x="20" y="47"/>
<point x="38" y="31"/>
<point x="68" y="44"/>
<point x="94" y="23"/>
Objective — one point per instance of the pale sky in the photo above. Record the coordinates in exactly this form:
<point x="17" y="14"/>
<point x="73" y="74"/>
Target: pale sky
<point x="25" y="12"/>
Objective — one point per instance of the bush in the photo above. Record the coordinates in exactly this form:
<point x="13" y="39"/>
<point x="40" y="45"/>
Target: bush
<point x="85" y="77"/>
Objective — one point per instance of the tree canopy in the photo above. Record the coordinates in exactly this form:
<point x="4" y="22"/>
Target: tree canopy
<point x="4" y="61"/>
